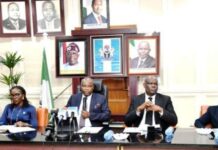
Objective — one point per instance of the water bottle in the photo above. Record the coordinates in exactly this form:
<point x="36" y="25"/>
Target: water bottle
<point x="169" y="134"/>
<point x="216" y="135"/>
<point x="108" y="136"/>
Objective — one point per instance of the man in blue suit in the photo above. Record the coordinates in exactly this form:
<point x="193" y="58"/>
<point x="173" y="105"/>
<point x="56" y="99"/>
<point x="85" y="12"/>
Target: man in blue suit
<point x="95" y="17"/>
<point x="209" y="117"/>
<point x="93" y="107"/>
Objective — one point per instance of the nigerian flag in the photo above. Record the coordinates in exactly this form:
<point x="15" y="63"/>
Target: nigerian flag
<point x="46" y="93"/>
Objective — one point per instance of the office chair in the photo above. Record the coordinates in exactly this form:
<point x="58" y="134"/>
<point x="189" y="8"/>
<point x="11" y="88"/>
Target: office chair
<point x="203" y="111"/>
<point x="99" y="87"/>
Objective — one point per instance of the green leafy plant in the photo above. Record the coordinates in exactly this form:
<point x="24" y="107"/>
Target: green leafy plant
<point x="10" y="60"/>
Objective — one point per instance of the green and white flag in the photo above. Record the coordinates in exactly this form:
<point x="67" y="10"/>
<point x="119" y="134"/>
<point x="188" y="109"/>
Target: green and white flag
<point x="46" y="91"/>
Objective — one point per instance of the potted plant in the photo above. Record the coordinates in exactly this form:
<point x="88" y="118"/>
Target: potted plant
<point x="10" y="60"/>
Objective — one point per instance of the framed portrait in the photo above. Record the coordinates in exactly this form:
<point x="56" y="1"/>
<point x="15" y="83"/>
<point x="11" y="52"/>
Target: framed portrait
<point x="14" y="18"/>
<point x="48" y="17"/>
<point x="71" y="56"/>
<point x="107" y="55"/>
<point x="143" y="54"/>
<point x="95" y="14"/>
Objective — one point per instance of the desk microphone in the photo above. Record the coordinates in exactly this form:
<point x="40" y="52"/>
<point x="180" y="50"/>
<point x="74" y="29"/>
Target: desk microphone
<point x="48" y="132"/>
<point x="51" y="125"/>
<point x="62" y="115"/>
<point x="53" y="115"/>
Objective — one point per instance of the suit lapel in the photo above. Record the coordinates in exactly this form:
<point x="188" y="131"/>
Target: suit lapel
<point x="157" y="102"/>
<point x="92" y="102"/>
<point x="142" y="99"/>
<point x="79" y="100"/>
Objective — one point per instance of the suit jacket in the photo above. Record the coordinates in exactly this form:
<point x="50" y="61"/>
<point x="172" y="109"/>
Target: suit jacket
<point x="90" y="19"/>
<point x="148" y="63"/>
<point x="169" y="117"/>
<point x="99" y="111"/>
<point x="42" y="24"/>
<point x="209" y="117"/>
<point x="10" y="26"/>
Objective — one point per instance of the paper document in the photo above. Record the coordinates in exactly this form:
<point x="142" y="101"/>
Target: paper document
<point x="132" y="130"/>
<point x="141" y="129"/>
<point x="204" y="130"/>
<point x="91" y="130"/>
<point x="14" y="129"/>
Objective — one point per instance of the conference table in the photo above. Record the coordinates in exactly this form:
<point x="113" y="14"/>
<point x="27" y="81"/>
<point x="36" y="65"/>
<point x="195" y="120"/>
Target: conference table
<point x="183" y="139"/>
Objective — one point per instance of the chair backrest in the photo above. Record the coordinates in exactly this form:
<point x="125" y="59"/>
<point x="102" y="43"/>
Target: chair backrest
<point x="203" y="111"/>
<point x="99" y="87"/>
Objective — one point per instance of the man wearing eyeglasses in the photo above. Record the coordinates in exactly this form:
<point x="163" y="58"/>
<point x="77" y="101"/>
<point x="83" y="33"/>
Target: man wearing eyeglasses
<point x="151" y="108"/>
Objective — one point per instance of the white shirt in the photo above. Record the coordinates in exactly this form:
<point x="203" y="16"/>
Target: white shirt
<point x="142" y="123"/>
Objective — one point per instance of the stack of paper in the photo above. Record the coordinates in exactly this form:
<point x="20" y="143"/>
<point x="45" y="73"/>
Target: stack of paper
<point x="91" y="130"/>
<point x="14" y="129"/>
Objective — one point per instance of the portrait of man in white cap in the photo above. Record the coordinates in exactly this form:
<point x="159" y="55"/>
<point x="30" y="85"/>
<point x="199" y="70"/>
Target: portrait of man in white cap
<point x="72" y="54"/>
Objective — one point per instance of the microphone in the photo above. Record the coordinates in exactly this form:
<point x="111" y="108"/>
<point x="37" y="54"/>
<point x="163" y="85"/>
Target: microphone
<point x="48" y="132"/>
<point x="62" y="115"/>
<point x="53" y="115"/>
<point x="50" y="127"/>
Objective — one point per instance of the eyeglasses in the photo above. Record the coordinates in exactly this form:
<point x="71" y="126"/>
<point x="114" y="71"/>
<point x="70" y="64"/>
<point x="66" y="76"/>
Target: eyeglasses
<point x="15" y="95"/>
<point x="152" y="83"/>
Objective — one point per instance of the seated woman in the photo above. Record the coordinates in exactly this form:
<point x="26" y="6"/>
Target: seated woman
<point x="19" y="112"/>
<point x="209" y="117"/>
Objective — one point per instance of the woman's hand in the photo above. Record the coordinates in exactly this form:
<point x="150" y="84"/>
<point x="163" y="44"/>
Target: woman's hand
<point x="21" y="124"/>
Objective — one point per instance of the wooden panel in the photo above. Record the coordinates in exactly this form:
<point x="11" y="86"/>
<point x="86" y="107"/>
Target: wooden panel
<point x="118" y="95"/>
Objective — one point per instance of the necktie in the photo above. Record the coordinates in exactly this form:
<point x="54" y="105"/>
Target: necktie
<point x="149" y="115"/>
<point x="141" y="64"/>
<point x="99" y="19"/>
<point x="16" y="25"/>
<point x="84" y="103"/>
<point x="84" y="107"/>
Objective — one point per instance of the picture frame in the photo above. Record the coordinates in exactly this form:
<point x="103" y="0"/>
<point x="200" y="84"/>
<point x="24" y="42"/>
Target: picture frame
<point x="91" y="20"/>
<point x="18" y="10"/>
<point x="106" y="56"/>
<point x="145" y="48"/>
<point x="43" y="22"/>
<point x="71" y="56"/>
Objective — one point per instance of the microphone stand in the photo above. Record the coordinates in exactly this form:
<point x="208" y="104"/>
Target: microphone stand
<point x="61" y="129"/>
<point x="51" y="126"/>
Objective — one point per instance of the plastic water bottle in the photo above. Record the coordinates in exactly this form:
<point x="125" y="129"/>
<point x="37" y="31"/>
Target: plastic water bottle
<point x="216" y="135"/>
<point x="169" y="134"/>
<point x="108" y="136"/>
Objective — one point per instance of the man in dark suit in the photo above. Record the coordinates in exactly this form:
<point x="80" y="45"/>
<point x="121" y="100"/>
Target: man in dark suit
<point x="209" y="117"/>
<point x="95" y="17"/>
<point x="144" y="60"/>
<point x="151" y="107"/>
<point x="13" y="22"/>
<point x="50" y="20"/>
<point x="93" y="107"/>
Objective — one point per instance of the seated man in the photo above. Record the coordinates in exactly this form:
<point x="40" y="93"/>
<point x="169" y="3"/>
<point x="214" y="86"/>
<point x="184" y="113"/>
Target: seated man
<point x="151" y="108"/>
<point x="93" y="107"/>
<point x="209" y="117"/>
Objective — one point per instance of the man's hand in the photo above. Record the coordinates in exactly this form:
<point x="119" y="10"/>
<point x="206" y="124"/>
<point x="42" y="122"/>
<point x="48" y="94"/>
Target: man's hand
<point x="85" y="114"/>
<point x="143" y="106"/>
<point x="154" y="107"/>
